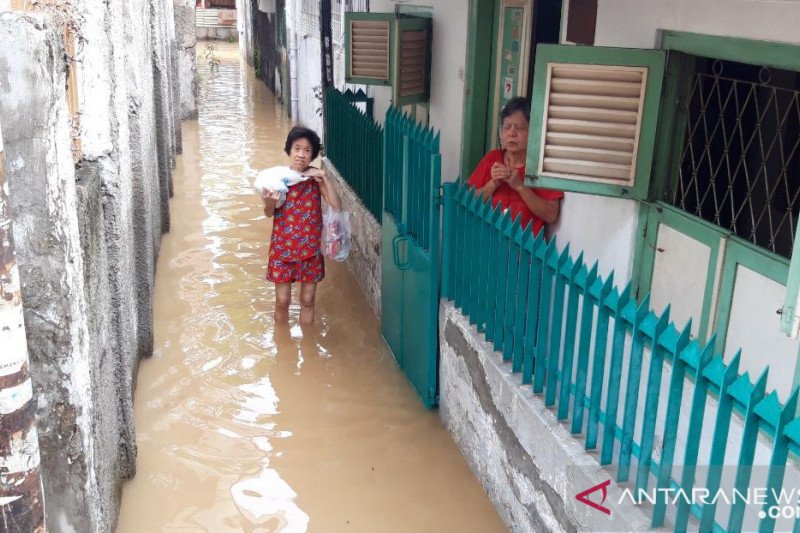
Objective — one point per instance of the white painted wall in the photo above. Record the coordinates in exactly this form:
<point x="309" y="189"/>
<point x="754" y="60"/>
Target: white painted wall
<point x="633" y="23"/>
<point x="448" y="57"/>
<point x="602" y="228"/>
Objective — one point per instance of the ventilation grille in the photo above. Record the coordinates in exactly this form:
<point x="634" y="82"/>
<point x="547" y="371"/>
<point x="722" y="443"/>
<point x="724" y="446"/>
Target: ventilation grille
<point x="369" y="49"/>
<point x="591" y="122"/>
<point x="413" y="62"/>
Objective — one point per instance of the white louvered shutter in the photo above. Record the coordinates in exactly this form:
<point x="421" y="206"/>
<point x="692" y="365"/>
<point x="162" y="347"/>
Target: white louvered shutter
<point x="368" y="38"/>
<point x="593" y="119"/>
<point x="591" y="124"/>
<point x="412" y="79"/>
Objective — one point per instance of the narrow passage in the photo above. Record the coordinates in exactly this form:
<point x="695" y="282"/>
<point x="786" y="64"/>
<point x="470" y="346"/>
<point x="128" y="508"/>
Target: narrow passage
<point x="242" y="427"/>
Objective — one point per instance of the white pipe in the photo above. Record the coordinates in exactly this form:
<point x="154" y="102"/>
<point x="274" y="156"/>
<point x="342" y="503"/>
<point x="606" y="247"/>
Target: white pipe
<point x="293" y="62"/>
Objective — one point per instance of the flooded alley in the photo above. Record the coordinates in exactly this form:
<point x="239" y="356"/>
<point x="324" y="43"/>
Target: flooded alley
<point x="242" y="426"/>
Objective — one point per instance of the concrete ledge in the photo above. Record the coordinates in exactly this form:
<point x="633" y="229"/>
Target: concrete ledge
<point x="526" y="460"/>
<point x="365" y="254"/>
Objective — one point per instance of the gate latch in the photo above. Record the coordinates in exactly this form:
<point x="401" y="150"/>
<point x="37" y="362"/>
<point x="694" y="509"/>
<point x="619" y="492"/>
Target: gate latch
<point x="438" y="198"/>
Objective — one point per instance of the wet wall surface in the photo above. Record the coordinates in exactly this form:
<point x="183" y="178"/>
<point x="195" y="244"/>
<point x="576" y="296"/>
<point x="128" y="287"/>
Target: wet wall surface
<point x="243" y="426"/>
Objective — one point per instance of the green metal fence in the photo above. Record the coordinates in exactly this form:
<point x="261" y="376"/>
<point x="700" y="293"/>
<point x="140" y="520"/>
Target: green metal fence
<point x="412" y="165"/>
<point x="554" y="318"/>
<point x="354" y="143"/>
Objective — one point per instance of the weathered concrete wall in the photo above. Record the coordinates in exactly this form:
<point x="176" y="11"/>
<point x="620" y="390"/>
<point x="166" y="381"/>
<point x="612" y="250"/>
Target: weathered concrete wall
<point x="88" y="238"/>
<point x="187" y="58"/>
<point x="244" y="22"/>
<point x="162" y="98"/>
<point x="528" y="462"/>
<point x="217" y="33"/>
<point x="364" y="260"/>
<point x="41" y="179"/>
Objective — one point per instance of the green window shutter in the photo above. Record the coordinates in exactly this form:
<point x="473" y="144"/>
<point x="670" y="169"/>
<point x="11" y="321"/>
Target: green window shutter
<point x="411" y="80"/>
<point x="593" y="123"/>
<point x="368" y="41"/>
<point x="790" y="316"/>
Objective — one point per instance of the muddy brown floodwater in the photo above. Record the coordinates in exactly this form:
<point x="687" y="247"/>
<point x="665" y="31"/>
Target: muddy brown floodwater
<point x="242" y="426"/>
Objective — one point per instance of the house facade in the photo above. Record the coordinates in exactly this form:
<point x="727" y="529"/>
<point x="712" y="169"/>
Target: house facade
<point x="673" y="127"/>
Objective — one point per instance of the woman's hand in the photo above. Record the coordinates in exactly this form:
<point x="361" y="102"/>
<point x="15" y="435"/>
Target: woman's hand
<point x="515" y="182"/>
<point x="269" y="194"/>
<point x="500" y="172"/>
<point x="325" y="187"/>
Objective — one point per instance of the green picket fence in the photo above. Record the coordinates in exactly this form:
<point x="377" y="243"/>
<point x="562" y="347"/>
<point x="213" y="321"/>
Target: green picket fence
<point x="354" y="143"/>
<point x="412" y="164"/>
<point x="525" y="297"/>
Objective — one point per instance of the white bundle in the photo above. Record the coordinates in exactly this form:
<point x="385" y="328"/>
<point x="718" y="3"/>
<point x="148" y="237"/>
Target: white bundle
<point x="277" y="179"/>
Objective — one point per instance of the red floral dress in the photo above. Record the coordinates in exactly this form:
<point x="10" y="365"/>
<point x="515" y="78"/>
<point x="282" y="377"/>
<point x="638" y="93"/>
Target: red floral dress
<point x="294" y="254"/>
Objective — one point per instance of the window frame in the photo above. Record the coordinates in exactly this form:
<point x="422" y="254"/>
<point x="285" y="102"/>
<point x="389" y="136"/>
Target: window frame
<point x="683" y="48"/>
<point x="351" y="16"/>
<point x="654" y="60"/>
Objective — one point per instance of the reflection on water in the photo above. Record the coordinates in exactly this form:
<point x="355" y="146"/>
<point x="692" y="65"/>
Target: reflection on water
<point x="243" y="426"/>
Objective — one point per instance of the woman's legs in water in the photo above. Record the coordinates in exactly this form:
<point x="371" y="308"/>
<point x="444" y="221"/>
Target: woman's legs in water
<point x="283" y="297"/>
<point x="308" y="292"/>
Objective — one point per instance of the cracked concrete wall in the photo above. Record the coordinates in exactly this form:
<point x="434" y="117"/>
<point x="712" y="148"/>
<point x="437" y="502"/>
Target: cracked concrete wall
<point x="89" y="235"/>
<point x="244" y="25"/>
<point x="364" y="260"/>
<point x="41" y="178"/>
<point x="527" y="461"/>
<point x="187" y="59"/>
<point x="162" y="97"/>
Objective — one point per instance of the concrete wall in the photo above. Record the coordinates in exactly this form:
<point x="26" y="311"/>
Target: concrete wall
<point x="528" y="462"/>
<point x="41" y="182"/>
<point x="272" y="69"/>
<point x="187" y="57"/>
<point x="217" y="33"/>
<point x="87" y="239"/>
<point x="364" y="260"/>
<point x="245" y="13"/>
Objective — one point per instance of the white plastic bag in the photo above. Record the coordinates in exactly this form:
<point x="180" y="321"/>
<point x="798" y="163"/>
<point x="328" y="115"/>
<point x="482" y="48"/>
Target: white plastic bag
<point x="335" y="234"/>
<point x="277" y="179"/>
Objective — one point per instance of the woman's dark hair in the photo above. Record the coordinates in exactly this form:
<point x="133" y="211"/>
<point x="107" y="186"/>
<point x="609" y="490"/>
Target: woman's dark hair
<point x="299" y="132"/>
<point x="517" y="104"/>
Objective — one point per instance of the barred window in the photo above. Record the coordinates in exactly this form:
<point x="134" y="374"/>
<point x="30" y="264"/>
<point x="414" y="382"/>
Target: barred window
<point x="739" y="165"/>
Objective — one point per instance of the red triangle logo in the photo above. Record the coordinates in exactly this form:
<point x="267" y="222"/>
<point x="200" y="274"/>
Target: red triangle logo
<point x="582" y="497"/>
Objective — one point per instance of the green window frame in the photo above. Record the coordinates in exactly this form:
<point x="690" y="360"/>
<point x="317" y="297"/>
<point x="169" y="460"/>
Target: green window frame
<point x="683" y="47"/>
<point x="652" y="60"/>
<point x="351" y="17"/>
<point x="398" y="23"/>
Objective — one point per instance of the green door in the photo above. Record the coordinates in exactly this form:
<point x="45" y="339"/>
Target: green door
<point x="510" y="60"/>
<point x="410" y="253"/>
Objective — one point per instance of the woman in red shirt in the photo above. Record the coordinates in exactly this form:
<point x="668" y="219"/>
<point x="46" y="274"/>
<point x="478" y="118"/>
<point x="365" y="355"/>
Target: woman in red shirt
<point x="501" y="173"/>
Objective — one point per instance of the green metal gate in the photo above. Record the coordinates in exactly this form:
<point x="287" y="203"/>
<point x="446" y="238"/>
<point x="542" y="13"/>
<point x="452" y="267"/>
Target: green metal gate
<point x="410" y="250"/>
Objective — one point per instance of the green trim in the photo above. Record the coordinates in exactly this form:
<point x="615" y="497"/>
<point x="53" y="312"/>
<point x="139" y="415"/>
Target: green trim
<point x="489" y="133"/>
<point x="354" y="16"/>
<point x="400" y="25"/>
<point x="792" y="286"/>
<point x="414" y="11"/>
<point x="654" y="60"/>
<point x="672" y="122"/>
<point x="644" y="250"/>
<point x="746" y="254"/>
<point x="706" y="234"/>
<point x="767" y="53"/>
<point x="476" y="83"/>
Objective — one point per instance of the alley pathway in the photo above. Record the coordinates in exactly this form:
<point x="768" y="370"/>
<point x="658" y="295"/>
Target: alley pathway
<point x="245" y="427"/>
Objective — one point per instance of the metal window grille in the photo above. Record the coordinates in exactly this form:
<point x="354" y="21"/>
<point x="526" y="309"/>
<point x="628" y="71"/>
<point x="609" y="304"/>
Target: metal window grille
<point x="740" y="160"/>
<point x="337" y="8"/>
<point x="309" y="19"/>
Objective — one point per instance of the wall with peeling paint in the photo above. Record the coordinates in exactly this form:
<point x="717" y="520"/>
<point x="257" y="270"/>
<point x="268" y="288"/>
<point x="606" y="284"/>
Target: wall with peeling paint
<point x="88" y="234"/>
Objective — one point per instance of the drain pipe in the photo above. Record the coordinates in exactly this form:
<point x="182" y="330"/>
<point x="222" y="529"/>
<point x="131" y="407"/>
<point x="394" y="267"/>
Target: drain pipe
<point x="293" y="61"/>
